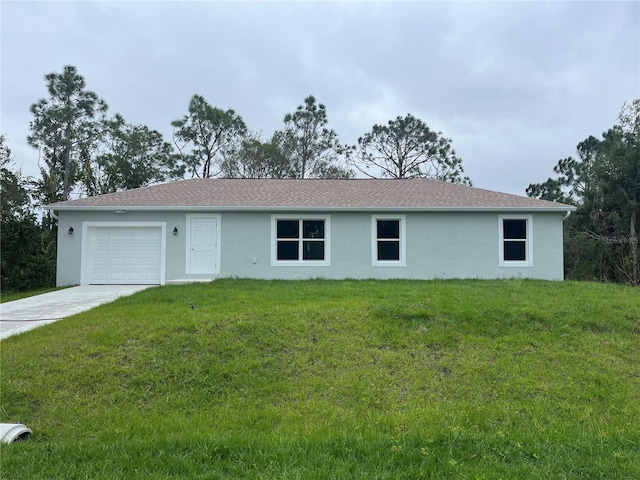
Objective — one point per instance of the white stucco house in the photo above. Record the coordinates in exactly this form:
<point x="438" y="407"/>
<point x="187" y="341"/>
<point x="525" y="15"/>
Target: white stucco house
<point x="293" y="229"/>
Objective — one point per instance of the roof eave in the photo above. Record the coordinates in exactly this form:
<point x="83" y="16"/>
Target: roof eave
<point x="230" y="208"/>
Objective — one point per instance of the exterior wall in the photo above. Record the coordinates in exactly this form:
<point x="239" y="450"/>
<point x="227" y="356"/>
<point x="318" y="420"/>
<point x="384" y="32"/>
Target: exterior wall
<point x="438" y="245"/>
<point x="69" y="270"/>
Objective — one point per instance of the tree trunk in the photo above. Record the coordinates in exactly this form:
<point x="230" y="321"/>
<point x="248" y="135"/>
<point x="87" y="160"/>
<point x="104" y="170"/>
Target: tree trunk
<point x="67" y="164"/>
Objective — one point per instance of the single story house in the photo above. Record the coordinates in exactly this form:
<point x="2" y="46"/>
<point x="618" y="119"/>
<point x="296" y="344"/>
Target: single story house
<point x="203" y="229"/>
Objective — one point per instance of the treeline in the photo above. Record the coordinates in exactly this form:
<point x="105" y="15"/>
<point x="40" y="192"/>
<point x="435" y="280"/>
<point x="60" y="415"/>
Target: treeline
<point x="86" y="152"/>
<point x="603" y="182"/>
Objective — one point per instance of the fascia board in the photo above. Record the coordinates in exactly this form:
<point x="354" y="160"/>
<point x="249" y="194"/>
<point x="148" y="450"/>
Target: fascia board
<point x="226" y="208"/>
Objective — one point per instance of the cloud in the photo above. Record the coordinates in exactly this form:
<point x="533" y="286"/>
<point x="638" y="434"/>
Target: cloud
<point x="516" y="85"/>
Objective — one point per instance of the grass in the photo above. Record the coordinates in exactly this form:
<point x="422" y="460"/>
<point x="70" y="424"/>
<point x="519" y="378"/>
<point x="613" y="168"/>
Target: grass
<point x="332" y="380"/>
<point x="11" y="296"/>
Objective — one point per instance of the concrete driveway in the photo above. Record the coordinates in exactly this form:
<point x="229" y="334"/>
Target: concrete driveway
<point x="28" y="313"/>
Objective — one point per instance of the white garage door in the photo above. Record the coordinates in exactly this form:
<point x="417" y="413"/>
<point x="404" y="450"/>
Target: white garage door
<point x="124" y="255"/>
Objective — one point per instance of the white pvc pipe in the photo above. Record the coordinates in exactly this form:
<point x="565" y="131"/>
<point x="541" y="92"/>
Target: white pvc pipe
<point x="10" y="432"/>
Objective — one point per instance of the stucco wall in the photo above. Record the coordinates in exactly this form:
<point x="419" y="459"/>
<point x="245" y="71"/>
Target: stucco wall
<point x="70" y="246"/>
<point x="438" y="245"/>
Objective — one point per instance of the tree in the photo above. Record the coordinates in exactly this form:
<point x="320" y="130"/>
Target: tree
<point x="5" y="152"/>
<point x="132" y="156"/>
<point x="204" y="134"/>
<point x="619" y="174"/>
<point x="313" y="150"/>
<point x="27" y="256"/>
<point x="408" y="148"/>
<point x="14" y="196"/>
<point x="66" y="130"/>
<point x="576" y="179"/>
<point x="252" y="158"/>
<point x="601" y="237"/>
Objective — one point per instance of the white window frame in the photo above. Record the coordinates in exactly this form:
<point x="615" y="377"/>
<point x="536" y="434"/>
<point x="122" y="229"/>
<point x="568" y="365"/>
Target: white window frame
<point x="402" y="262"/>
<point x="528" y="262"/>
<point x="300" y="262"/>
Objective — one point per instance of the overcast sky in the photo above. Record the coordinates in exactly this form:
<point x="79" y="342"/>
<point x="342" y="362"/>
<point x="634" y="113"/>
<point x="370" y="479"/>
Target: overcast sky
<point x="515" y="85"/>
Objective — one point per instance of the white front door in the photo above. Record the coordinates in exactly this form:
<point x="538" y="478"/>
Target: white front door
<point x="202" y="244"/>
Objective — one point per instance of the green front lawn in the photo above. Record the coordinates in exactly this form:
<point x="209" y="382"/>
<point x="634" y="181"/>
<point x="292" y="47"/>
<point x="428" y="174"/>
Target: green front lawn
<point x="332" y="379"/>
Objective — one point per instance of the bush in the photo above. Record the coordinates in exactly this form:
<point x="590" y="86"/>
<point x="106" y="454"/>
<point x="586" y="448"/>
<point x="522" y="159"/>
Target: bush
<point x="27" y="256"/>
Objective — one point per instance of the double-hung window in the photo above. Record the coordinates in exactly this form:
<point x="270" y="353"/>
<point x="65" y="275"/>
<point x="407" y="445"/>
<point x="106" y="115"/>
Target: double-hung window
<point x="515" y="248"/>
<point x="300" y="240"/>
<point x="388" y="240"/>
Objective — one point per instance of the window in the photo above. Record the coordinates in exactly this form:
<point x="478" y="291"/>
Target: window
<point x="515" y="241"/>
<point x="300" y="241"/>
<point x="388" y="241"/>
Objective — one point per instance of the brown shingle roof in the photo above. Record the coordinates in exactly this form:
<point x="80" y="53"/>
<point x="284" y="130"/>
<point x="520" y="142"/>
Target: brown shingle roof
<point x="261" y="194"/>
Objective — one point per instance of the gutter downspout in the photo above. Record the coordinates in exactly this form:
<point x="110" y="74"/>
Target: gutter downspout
<point x="566" y="215"/>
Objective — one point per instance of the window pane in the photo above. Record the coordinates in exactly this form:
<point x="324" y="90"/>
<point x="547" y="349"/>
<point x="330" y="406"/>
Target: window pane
<point x="388" y="228"/>
<point x="388" y="250"/>
<point x="288" y="228"/>
<point x="515" y="229"/>
<point x="287" y="250"/>
<point x="313" y="228"/>
<point x="515" y="250"/>
<point x="313" y="251"/>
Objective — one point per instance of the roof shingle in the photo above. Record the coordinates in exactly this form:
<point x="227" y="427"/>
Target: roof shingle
<point x="358" y="194"/>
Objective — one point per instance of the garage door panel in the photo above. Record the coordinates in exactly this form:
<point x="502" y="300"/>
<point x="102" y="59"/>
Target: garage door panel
<point x="150" y="262"/>
<point x="100" y="277"/>
<point x="100" y="261"/>
<point x="124" y="255"/>
<point x="101" y="247"/>
<point x="117" y="262"/>
<point x="136" y="261"/>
